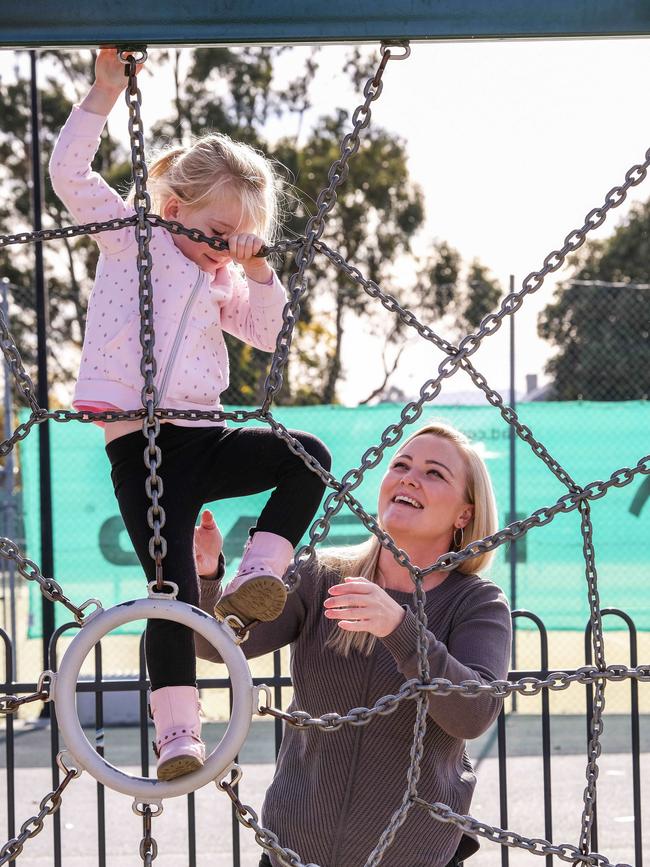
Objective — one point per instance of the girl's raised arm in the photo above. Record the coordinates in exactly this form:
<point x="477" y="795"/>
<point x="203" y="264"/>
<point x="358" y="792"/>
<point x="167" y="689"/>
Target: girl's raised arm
<point x="84" y="192"/>
<point x="109" y="83"/>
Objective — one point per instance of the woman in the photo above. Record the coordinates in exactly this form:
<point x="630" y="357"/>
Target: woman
<point x="353" y="631"/>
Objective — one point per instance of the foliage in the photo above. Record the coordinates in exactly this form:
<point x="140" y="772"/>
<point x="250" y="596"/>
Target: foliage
<point x="446" y="288"/>
<point x="602" y="331"/>
<point x="379" y="210"/>
<point x="69" y="262"/>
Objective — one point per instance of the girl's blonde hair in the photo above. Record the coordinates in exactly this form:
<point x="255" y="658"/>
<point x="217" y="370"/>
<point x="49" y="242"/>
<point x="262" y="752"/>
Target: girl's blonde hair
<point x="215" y="164"/>
<point x="361" y="560"/>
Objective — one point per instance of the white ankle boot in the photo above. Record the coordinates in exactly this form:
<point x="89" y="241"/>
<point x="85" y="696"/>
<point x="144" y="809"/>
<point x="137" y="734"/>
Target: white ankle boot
<point x="178" y="745"/>
<point x="257" y="592"/>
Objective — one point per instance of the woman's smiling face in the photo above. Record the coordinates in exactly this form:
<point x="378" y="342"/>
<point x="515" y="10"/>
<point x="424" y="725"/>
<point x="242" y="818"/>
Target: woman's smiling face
<point x="423" y="494"/>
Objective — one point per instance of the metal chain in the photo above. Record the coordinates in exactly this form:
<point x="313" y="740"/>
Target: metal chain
<point x="409" y="319"/>
<point x="247" y="817"/>
<point x="399" y="816"/>
<point x="149" y="394"/>
<point x="457" y="357"/>
<point x="22" y="379"/>
<point x="598" y="644"/>
<point x="337" y="174"/>
<point x="525" y="686"/>
<point x="489" y="325"/>
<point x="11" y="703"/>
<point x="148" y="846"/>
<point x="281" y="247"/>
<point x="33" y="826"/>
<point x="49" y="587"/>
<point x="67" y="231"/>
<point x="534" y="845"/>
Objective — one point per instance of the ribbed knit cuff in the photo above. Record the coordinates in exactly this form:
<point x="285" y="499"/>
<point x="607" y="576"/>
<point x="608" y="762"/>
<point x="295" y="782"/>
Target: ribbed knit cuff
<point x="210" y="588"/>
<point x="403" y="641"/>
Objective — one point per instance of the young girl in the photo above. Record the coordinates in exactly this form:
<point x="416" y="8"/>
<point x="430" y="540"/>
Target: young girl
<point x="225" y="189"/>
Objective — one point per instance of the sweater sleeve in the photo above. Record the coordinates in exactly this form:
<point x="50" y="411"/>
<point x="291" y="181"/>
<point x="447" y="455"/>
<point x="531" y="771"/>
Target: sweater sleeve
<point x="478" y="649"/>
<point x="254" y="312"/>
<point x="264" y="637"/>
<point x="85" y="193"/>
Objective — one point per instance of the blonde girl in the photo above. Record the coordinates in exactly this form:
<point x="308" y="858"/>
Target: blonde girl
<point x="227" y="190"/>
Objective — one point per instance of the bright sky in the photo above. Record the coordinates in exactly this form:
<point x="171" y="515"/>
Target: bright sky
<point x="512" y="143"/>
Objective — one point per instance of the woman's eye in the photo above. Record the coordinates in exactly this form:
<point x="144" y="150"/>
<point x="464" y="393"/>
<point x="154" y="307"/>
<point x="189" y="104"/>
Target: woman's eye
<point x="435" y="473"/>
<point x="398" y="464"/>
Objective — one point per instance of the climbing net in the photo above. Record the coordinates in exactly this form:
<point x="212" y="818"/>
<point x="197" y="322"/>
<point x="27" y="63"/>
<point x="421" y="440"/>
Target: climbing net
<point x="457" y="357"/>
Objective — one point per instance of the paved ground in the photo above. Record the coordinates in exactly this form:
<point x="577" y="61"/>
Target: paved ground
<point x="524" y="786"/>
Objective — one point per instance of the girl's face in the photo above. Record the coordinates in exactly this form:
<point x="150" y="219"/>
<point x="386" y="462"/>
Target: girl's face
<point x="222" y="218"/>
<point x="422" y="496"/>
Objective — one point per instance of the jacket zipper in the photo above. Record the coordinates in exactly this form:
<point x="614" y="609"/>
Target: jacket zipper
<point x="177" y="339"/>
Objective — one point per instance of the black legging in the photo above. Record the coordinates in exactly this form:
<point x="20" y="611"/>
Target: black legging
<point x="200" y="465"/>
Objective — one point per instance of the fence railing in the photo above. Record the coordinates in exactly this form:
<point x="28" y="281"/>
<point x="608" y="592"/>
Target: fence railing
<point x="98" y="687"/>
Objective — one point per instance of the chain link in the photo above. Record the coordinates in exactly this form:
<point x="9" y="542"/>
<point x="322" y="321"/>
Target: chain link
<point x="598" y="644"/>
<point x="457" y="357"/>
<point x="60" y="232"/>
<point x="10" y="351"/>
<point x="534" y="845"/>
<point x="248" y="818"/>
<point x="49" y="587"/>
<point x="489" y="325"/>
<point x="33" y="826"/>
<point x="148" y="368"/>
<point x="526" y="686"/>
<point x="148" y="846"/>
<point x="11" y="703"/>
<point x="337" y="175"/>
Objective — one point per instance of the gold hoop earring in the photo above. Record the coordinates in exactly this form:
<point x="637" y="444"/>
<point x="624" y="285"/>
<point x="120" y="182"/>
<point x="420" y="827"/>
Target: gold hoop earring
<point x="458" y="543"/>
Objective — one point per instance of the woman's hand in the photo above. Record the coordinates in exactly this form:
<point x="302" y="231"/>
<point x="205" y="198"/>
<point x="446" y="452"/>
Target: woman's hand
<point x="360" y="605"/>
<point x="243" y="248"/>
<point x="208" y="543"/>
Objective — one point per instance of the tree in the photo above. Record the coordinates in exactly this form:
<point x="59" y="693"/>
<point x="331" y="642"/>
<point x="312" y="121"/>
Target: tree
<point x="70" y="261"/>
<point x="377" y="212"/>
<point x="602" y="331"/>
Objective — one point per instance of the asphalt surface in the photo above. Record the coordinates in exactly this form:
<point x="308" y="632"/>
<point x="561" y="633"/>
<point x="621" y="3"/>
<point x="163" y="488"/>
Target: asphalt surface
<point x="524" y="814"/>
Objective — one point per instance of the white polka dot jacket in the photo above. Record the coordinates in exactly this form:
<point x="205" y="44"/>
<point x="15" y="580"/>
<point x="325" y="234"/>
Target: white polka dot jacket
<point x="192" y="308"/>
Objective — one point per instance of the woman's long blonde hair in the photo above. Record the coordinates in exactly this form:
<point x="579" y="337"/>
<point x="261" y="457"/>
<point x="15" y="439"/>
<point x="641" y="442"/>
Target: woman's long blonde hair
<point x="361" y="560"/>
<point x="216" y="164"/>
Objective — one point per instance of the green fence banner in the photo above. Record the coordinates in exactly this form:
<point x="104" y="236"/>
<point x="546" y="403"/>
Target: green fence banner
<point x="93" y="556"/>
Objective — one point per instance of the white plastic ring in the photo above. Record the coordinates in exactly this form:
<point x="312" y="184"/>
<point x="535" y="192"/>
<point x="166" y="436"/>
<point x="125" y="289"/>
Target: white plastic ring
<point x="144" y="789"/>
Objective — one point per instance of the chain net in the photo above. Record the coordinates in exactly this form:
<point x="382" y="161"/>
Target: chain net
<point x="578" y="497"/>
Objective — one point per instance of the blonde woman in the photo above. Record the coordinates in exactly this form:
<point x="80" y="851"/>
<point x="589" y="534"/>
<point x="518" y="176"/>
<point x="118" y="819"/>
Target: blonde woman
<point x="353" y="631"/>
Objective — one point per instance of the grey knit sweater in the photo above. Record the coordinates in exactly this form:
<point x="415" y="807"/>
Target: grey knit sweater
<point x="334" y="792"/>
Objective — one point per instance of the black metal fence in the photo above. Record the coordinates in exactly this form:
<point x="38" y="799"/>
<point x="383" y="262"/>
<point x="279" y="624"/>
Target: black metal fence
<point x="540" y="728"/>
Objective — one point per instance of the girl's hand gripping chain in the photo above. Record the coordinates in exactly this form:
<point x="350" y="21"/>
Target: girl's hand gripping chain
<point x="109" y="82"/>
<point x="243" y="248"/>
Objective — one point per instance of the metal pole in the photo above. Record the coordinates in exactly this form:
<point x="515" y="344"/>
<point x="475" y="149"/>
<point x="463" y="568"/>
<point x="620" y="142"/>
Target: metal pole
<point x="513" y="490"/>
<point x="9" y="508"/>
<point x="42" y="307"/>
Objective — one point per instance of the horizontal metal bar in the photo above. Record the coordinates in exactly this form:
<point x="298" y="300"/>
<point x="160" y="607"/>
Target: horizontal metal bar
<point x="33" y="23"/>
<point x="138" y="685"/>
